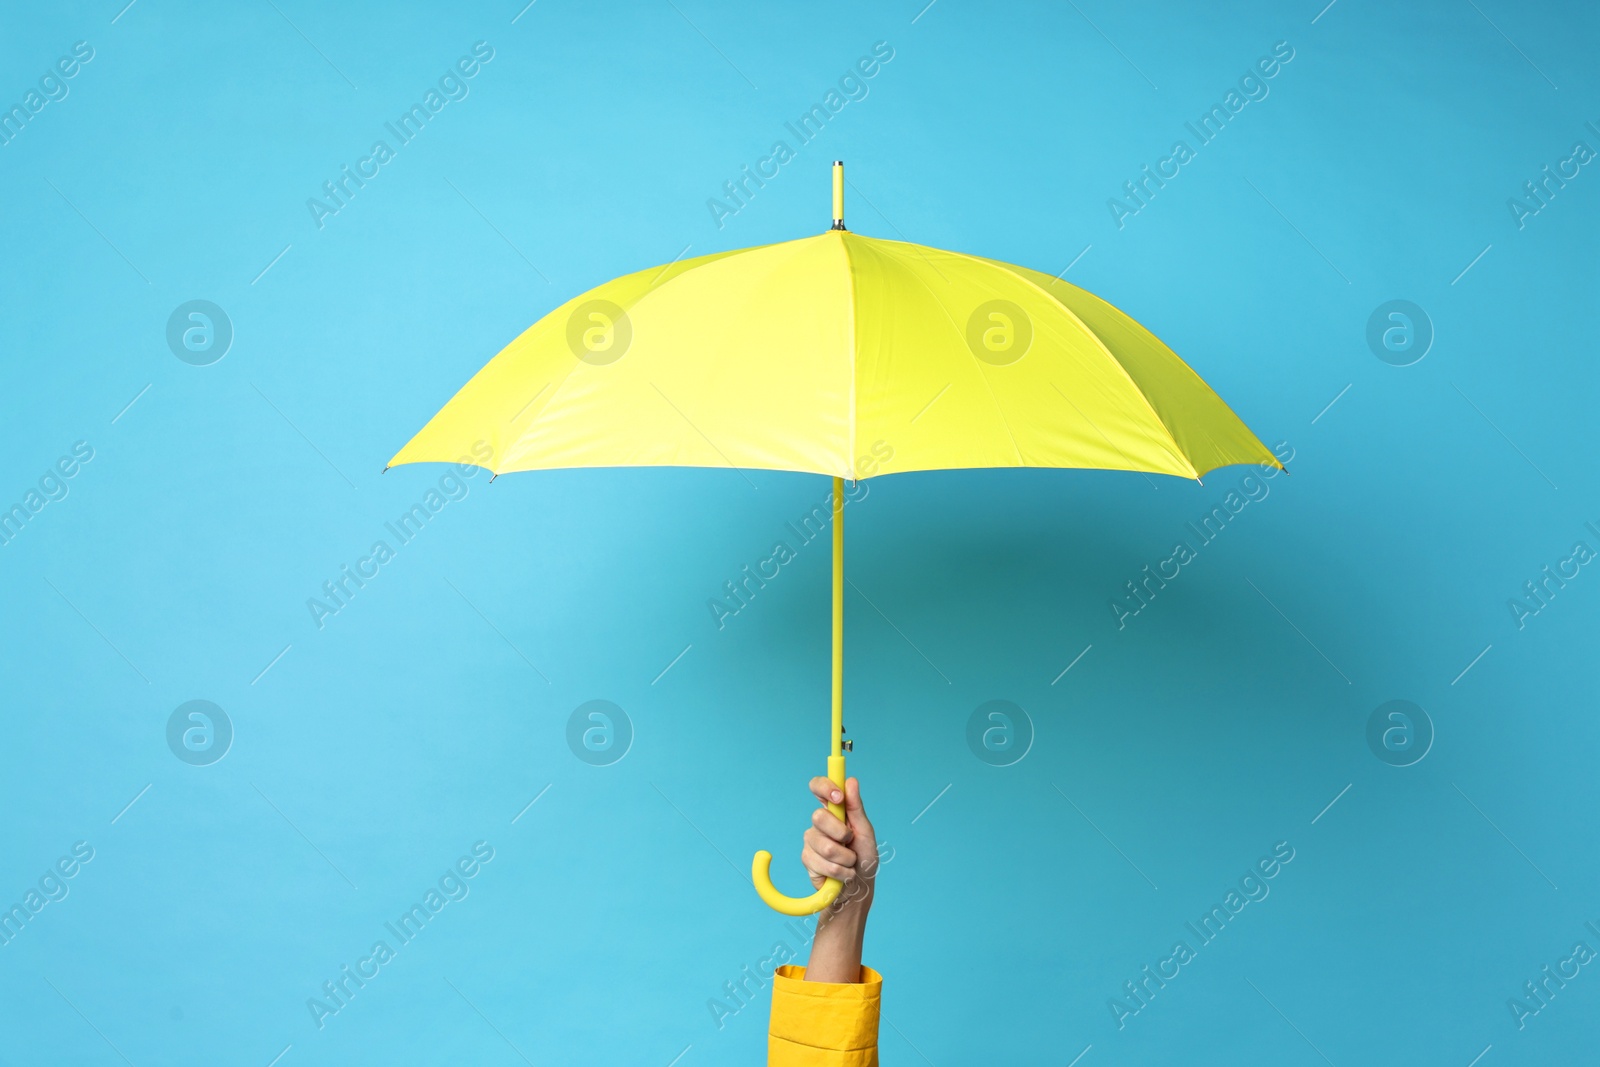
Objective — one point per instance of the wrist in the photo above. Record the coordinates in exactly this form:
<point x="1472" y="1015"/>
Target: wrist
<point x="844" y="917"/>
<point x="837" y="942"/>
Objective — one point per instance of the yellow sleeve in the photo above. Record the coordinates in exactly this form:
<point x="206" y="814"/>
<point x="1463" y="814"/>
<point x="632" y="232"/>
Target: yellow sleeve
<point x="823" y="1024"/>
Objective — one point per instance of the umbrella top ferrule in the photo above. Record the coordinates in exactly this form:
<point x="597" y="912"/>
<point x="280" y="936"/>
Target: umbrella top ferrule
<point x="838" y="194"/>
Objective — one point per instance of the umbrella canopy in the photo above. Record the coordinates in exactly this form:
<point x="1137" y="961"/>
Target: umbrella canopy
<point x="841" y="355"/>
<point x="802" y="356"/>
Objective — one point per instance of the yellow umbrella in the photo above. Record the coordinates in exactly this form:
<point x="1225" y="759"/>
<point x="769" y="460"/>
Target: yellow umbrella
<point x="841" y="355"/>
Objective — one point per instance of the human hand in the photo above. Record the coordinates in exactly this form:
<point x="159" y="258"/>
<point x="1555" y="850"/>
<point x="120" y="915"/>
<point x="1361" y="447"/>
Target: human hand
<point x="847" y="850"/>
<point x="844" y="849"/>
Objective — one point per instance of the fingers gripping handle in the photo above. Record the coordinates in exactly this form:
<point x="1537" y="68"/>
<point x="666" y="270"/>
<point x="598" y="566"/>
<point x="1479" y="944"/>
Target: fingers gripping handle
<point x="761" y="867"/>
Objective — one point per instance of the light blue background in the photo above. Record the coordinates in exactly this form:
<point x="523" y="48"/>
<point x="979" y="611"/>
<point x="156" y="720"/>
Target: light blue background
<point x="1215" y="725"/>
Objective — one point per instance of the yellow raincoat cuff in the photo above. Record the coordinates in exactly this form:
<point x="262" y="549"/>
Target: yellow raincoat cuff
<point x="823" y="1024"/>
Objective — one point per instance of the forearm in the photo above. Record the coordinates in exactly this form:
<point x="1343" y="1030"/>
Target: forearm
<point x="836" y="948"/>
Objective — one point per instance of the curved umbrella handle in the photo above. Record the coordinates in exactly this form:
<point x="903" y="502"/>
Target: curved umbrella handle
<point x="761" y="867"/>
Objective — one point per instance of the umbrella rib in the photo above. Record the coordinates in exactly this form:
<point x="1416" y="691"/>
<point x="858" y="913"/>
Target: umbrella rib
<point x="855" y="366"/>
<point x="1177" y="449"/>
<point x="531" y="399"/>
<point x="1131" y="465"/>
<point x="516" y="437"/>
<point x="904" y="240"/>
<point x="930" y="403"/>
<point x="962" y="337"/>
<point x="649" y="289"/>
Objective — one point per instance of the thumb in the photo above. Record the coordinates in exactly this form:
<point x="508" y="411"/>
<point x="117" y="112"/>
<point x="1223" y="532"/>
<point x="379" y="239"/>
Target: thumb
<point x="855" y="814"/>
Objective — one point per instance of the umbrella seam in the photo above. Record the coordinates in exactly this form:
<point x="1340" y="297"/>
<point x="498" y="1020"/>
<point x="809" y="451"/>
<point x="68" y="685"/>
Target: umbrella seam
<point x="1177" y="449"/>
<point x="656" y="283"/>
<point x="999" y="410"/>
<point x="557" y="382"/>
<point x="1198" y="380"/>
<point x="855" y="366"/>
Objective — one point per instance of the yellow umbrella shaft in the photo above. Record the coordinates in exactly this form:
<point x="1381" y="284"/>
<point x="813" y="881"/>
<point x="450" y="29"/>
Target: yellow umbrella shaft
<point x="838" y="626"/>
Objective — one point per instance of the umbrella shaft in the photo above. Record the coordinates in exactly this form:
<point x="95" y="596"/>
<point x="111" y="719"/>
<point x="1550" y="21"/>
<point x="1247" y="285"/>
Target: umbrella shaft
<point x="838" y="616"/>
